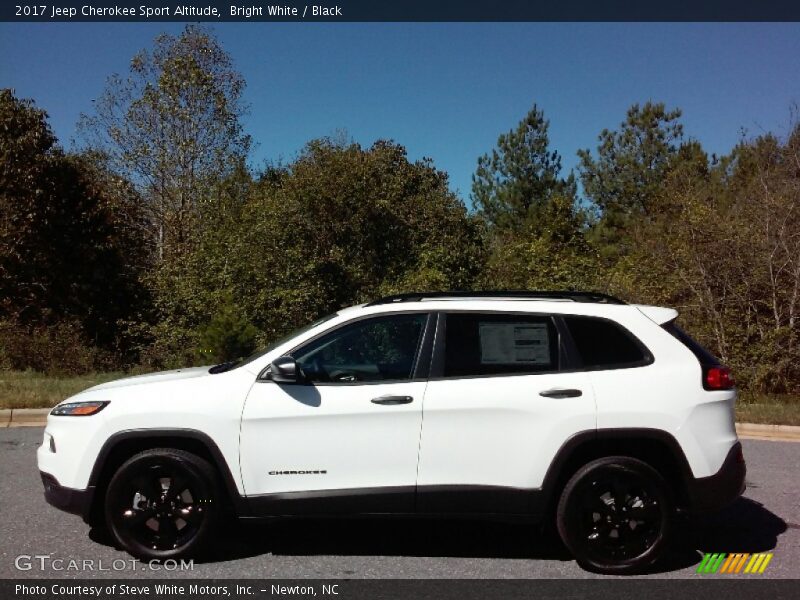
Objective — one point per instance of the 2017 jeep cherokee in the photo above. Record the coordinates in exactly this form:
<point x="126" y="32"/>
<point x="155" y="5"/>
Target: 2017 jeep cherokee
<point x="577" y="407"/>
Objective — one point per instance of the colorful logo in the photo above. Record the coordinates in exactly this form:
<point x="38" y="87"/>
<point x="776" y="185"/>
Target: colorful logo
<point x="734" y="563"/>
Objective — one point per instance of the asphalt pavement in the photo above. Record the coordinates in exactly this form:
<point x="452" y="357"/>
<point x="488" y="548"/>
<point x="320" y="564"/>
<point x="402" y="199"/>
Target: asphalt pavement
<point x="39" y="541"/>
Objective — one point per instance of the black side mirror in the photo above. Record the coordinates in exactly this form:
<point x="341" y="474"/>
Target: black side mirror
<point x="284" y="370"/>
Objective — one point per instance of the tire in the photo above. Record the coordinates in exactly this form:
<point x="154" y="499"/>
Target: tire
<point x="162" y="504"/>
<point x="615" y="515"/>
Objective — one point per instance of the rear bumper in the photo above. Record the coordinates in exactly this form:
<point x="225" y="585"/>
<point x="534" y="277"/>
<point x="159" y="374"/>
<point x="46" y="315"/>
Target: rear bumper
<point x="77" y="502"/>
<point x="707" y="494"/>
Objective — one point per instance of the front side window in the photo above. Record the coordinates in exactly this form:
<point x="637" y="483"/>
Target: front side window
<point x="370" y="350"/>
<point x="603" y="344"/>
<point x="479" y="344"/>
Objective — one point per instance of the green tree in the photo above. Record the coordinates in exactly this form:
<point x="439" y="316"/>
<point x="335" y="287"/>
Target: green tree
<point x="196" y="293"/>
<point x="227" y="336"/>
<point x="723" y="249"/>
<point x="554" y="256"/>
<point x="345" y="224"/>
<point x="536" y="230"/>
<point x="71" y="243"/>
<point x="173" y="127"/>
<point x="339" y="225"/>
<point x="624" y="180"/>
<point x="513" y="185"/>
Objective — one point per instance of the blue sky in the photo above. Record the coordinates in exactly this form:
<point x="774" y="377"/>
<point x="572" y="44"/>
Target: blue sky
<point x="443" y="90"/>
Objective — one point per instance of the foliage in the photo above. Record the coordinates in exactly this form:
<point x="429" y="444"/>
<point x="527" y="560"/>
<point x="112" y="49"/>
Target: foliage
<point x="345" y="224"/>
<point x="227" y="336"/>
<point x="556" y="258"/>
<point x="158" y="245"/>
<point x="537" y="231"/>
<point x="624" y="181"/>
<point x="513" y="184"/>
<point x="172" y="127"/>
<point x="58" y="349"/>
<point x="71" y="244"/>
<point x="339" y="225"/>
<point x="724" y="248"/>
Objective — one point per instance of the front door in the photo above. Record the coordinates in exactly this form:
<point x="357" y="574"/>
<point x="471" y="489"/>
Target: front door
<point x="347" y="438"/>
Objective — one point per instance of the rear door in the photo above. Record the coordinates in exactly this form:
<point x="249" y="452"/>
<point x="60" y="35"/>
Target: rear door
<point x="497" y="408"/>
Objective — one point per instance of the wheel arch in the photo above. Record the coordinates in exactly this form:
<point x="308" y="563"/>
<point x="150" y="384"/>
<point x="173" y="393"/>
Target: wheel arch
<point x="656" y="447"/>
<point x="122" y="445"/>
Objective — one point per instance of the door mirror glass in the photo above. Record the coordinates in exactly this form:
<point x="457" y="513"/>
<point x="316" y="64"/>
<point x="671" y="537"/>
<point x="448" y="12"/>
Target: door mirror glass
<point x="284" y="370"/>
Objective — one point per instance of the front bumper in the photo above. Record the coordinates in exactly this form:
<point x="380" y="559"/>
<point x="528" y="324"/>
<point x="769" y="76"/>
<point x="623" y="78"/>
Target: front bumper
<point x="77" y="502"/>
<point x="708" y="494"/>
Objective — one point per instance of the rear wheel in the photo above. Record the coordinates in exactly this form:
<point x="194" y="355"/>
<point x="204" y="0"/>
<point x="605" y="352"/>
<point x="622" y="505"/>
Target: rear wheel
<point x="614" y="515"/>
<point x="162" y="503"/>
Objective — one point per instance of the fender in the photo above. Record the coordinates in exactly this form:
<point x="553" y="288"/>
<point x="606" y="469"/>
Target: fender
<point x="583" y="446"/>
<point x="186" y="435"/>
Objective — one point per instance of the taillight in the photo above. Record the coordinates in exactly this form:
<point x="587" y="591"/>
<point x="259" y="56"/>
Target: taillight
<point x="717" y="377"/>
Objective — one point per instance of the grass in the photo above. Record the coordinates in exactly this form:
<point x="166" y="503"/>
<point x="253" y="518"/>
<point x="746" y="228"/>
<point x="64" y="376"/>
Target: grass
<point x="771" y="410"/>
<point x="28" y="389"/>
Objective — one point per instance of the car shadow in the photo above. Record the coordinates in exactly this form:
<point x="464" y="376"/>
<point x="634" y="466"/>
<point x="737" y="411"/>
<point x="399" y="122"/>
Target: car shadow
<point x="745" y="526"/>
<point x="388" y="536"/>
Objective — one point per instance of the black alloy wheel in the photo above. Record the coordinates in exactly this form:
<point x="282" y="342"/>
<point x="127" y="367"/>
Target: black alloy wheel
<point x="161" y="504"/>
<point x="615" y="515"/>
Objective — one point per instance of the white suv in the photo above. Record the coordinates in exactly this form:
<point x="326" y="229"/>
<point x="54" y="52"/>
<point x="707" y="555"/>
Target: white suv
<point x="564" y="407"/>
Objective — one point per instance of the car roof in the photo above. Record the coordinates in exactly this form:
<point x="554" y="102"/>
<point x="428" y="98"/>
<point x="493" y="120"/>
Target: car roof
<point x="577" y="303"/>
<point x="563" y="295"/>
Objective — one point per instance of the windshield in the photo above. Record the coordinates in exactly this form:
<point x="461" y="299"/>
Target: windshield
<point x="227" y="366"/>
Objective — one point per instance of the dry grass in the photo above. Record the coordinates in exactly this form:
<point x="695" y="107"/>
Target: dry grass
<point x="29" y="389"/>
<point x="771" y="410"/>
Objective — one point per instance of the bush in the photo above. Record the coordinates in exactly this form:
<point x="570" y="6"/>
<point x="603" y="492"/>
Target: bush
<point x="228" y="336"/>
<point x="60" y="349"/>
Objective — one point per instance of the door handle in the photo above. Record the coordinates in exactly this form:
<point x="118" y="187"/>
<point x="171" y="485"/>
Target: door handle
<point x="561" y="393"/>
<point x="392" y="400"/>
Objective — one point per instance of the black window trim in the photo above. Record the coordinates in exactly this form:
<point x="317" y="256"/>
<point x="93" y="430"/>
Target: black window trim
<point x="437" y="362"/>
<point x="419" y="370"/>
<point x="577" y="363"/>
<point x="569" y="360"/>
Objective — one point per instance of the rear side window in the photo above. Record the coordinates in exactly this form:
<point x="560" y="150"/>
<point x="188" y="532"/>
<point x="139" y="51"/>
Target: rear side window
<point x="603" y="344"/>
<point x="704" y="356"/>
<point x="479" y="344"/>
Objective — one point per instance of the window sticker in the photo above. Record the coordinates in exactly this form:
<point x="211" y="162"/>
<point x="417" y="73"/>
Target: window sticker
<point x="514" y="343"/>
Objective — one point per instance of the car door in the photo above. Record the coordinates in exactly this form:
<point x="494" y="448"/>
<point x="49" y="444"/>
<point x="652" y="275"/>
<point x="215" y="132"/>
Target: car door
<point x="497" y="409"/>
<point x="346" y="439"/>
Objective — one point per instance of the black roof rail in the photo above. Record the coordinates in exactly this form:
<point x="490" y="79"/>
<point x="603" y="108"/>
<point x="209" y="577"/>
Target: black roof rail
<point x="519" y="294"/>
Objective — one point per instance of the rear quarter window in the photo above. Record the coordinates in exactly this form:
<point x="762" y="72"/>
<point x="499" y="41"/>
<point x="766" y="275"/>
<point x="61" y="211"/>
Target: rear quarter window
<point x="604" y="344"/>
<point x="704" y="356"/>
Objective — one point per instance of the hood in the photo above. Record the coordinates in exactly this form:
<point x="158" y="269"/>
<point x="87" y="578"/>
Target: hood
<point x="153" y="378"/>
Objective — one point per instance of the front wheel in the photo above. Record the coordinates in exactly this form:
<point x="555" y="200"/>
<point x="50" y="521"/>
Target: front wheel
<point x="614" y="515"/>
<point x="162" y="504"/>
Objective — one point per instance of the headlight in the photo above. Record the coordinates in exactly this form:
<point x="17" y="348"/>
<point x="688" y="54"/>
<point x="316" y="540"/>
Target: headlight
<point x="79" y="409"/>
